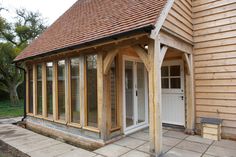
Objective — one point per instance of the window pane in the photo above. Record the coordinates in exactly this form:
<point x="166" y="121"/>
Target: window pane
<point x="31" y="106"/>
<point x="91" y="74"/>
<point x="165" y="83"/>
<point x="113" y="94"/>
<point x="175" y="82"/>
<point x="175" y="70"/>
<point x="49" y="73"/>
<point x="75" y="95"/>
<point x="164" y="71"/>
<point x="141" y="92"/>
<point x="61" y="89"/>
<point x="39" y="89"/>
<point x="129" y="93"/>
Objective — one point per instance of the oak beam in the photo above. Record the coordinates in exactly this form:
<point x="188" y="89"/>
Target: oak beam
<point x="174" y="42"/>
<point x="108" y="60"/>
<point x="186" y="59"/>
<point x="102" y="108"/>
<point x="55" y="93"/>
<point x="155" y="97"/>
<point x="190" y="95"/>
<point x="143" y="55"/>
<point x="163" y="53"/>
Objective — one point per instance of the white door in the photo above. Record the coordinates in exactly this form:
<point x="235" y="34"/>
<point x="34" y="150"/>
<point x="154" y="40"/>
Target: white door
<point x="173" y="104"/>
<point x="135" y="95"/>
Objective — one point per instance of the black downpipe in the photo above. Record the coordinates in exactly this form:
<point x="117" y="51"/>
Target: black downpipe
<point x="24" y="90"/>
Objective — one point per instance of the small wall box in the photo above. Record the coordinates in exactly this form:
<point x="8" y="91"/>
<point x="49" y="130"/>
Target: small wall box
<point x="211" y="128"/>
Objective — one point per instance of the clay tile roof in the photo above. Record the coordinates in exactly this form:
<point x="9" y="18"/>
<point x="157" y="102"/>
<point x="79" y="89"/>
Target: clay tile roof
<point x="90" y="20"/>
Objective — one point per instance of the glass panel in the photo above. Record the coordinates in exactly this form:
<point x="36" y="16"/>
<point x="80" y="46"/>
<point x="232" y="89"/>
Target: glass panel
<point x="141" y="92"/>
<point x="31" y="106"/>
<point x="175" y="82"/>
<point x="91" y="72"/>
<point x="165" y="83"/>
<point x="61" y="89"/>
<point x="164" y="71"/>
<point x="75" y="95"/>
<point x="39" y="89"/>
<point x="129" y="93"/>
<point x="49" y="77"/>
<point x="113" y="94"/>
<point x="175" y="70"/>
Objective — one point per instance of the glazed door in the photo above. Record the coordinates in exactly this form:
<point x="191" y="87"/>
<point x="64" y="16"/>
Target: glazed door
<point x="135" y="95"/>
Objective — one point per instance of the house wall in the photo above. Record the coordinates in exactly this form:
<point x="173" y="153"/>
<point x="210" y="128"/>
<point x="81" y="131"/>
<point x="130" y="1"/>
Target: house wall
<point x="179" y="20"/>
<point x="214" y="24"/>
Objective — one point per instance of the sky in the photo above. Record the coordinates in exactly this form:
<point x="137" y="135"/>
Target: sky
<point x="50" y="9"/>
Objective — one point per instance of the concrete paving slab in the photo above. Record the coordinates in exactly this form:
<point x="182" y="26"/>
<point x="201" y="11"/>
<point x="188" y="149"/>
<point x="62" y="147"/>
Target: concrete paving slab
<point x="225" y="144"/>
<point x="26" y="139"/>
<point x="52" y="151"/>
<point x="175" y="152"/>
<point x="130" y="142"/>
<point x="206" y="155"/>
<point x="221" y="151"/>
<point x="176" y="134"/>
<point x="199" y="139"/>
<point x="135" y="153"/>
<point x="112" y="150"/>
<point x="170" y="141"/>
<point x="146" y="148"/>
<point x="193" y="146"/>
<point x="140" y="135"/>
<point x="79" y="153"/>
<point x="29" y="147"/>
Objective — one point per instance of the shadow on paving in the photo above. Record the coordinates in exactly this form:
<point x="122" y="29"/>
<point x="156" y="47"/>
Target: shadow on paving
<point x="9" y="151"/>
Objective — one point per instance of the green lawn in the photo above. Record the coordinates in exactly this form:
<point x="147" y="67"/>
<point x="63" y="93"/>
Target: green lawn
<point x="6" y="110"/>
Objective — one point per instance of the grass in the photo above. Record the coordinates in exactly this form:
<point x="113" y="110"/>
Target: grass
<point x="7" y="111"/>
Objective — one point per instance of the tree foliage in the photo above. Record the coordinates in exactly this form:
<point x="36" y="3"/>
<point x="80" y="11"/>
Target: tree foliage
<point x="14" y="37"/>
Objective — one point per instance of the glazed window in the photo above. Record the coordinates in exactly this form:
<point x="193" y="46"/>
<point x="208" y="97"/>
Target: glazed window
<point x="61" y="89"/>
<point x="30" y="90"/>
<point x="91" y="89"/>
<point x="49" y="85"/>
<point x="39" y="89"/>
<point x="113" y="93"/>
<point x="75" y="90"/>
<point x="171" y="77"/>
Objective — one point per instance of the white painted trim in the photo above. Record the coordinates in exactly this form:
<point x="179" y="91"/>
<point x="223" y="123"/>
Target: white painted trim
<point x="161" y="19"/>
<point x="135" y="127"/>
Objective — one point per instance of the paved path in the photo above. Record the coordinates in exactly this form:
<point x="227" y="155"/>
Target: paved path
<point x="37" y="145"/>
<point x="175" y="144"/>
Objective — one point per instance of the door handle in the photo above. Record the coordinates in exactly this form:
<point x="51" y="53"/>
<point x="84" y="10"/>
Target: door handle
<point x="136" y="93"/>
<point x="182" y="97"/>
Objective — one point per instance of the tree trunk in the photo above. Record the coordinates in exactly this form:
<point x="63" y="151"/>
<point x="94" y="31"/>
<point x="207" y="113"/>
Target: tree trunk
<point x="14" y="96"/>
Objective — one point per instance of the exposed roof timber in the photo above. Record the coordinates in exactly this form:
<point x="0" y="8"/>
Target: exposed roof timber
<point x="174" y="42"/>
<point x="161" y="19"/>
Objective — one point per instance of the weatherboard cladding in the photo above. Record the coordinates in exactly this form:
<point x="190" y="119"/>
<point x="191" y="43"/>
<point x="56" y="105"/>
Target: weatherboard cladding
<point x="90" y="20"/>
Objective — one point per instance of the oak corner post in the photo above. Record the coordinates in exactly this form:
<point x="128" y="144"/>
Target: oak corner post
<point x="155" y="118"/>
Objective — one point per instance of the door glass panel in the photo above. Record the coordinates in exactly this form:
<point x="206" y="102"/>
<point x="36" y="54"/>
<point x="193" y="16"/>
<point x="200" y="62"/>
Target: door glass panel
<point x="175" y="70"/>
<point x="165" y="83"/>
<point x="164" y="71"/>
<point x="175" y="82"/>
<point x="129" y="93"/>
<point x="141" y="92"/>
